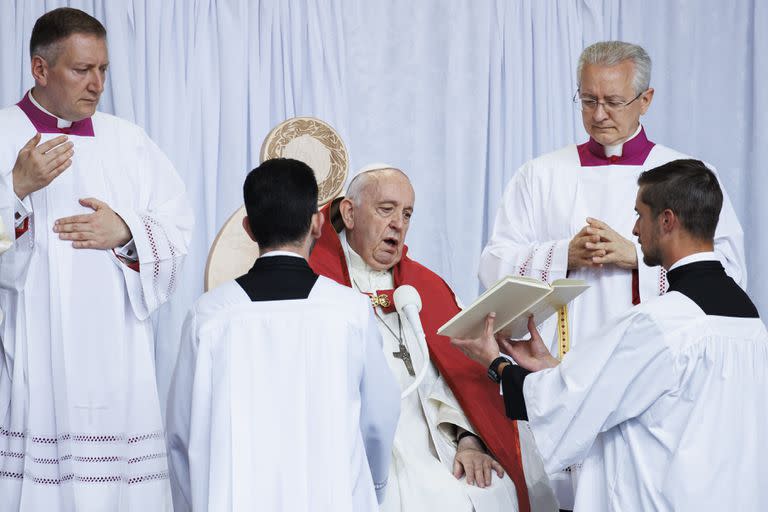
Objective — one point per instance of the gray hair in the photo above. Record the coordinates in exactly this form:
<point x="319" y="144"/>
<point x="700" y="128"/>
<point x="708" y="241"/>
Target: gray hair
<point x="611" y="53"/>
<point x="366" y="178"/>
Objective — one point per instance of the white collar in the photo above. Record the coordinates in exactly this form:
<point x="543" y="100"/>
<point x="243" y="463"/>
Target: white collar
<point x="281" y="253"/>
<point x="60" y="123"/>
<point x="618" y="149"/>
<point x="693" y="258"/>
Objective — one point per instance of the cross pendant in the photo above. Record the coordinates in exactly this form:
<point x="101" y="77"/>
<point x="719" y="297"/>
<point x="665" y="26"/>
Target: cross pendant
<point x="405" y="356"/>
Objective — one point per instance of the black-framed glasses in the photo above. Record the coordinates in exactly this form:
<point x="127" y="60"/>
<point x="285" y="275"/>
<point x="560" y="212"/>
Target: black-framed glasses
<point x="588" y="104"/>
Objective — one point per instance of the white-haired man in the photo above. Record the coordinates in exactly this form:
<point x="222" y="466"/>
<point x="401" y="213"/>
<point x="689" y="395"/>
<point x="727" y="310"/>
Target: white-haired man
<point x="563" y="214"/>
<point x="453" y="422"/>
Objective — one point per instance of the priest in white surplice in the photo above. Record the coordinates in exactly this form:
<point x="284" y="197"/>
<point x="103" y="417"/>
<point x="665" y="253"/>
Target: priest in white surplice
<point x="281" y="399"/>
<point x="563" y="213"/>
<point x="102" y="224"/>
<point x="665" y="404"/>
<point x="440" y="458"/>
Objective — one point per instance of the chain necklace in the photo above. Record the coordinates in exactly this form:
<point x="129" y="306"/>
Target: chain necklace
<point x="402" y="350"/>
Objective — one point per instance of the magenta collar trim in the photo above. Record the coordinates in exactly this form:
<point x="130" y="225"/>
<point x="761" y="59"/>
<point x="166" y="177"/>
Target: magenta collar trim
<point x="634" y="152"/>
<point x="46" y="123"/>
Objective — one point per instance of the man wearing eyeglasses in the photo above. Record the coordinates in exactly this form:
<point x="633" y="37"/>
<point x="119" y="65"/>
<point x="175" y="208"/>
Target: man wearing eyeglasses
<point x="564" y="214"/>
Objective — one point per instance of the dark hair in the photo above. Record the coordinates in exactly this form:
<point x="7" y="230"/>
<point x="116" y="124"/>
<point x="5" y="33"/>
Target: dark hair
<point x="57" y="25"/>
<point x="280" y="197"/>
<point x="689" y="189"/>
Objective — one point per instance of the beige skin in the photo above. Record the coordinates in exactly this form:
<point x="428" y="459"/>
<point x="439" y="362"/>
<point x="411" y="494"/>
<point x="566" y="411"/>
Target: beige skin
<point x="663" y="240"/>
<point x="70" y="88"/>
<point x="597" y="244"/>
<point x="376" y="221"/>
<point x="301" y="247"/>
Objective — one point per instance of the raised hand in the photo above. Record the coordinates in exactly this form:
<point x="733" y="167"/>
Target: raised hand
<point x="532" y="354"/>
<point x="483" y="349"/>
<point x="102" y="229"/>
<point x="37" y="166"/>
<point x="616" y="249"/>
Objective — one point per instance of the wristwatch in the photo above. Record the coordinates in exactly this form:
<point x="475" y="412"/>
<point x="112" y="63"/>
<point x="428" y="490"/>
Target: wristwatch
<point x="493" y="369"/>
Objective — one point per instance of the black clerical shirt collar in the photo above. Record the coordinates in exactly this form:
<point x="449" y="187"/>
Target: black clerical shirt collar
<point x="702" y="278"/>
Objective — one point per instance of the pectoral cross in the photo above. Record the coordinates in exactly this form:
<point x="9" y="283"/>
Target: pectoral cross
<point x="405" y="356"/>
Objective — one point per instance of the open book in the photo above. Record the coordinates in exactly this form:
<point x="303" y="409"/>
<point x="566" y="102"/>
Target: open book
<point x="514" y="299"/>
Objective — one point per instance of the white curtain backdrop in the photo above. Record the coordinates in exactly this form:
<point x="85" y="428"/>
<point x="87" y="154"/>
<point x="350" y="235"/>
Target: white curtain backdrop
<point x="457" y="93"/>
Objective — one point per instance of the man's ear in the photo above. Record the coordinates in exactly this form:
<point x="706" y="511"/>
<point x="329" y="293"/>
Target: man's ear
<point x="347" y="211"/>
<point x="247" y="228"/>
<point x="645" y="100"/>
<point x="668" y="221"/>
<point x="40" y="70"/>
<point x="316" y="226"/>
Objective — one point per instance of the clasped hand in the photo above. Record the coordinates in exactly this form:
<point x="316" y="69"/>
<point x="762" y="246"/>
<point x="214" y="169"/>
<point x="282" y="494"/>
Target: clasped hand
<point x="597" y="244"/>
<point x="102" y="229"/>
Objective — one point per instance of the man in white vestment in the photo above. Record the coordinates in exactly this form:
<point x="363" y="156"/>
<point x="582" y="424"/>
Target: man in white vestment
<point x="440" y="460"/>
<point x="102" y="224"/>
<point x="666" y="403"/>
<point x="281" y="399"/>
<point x="563" y="213"/>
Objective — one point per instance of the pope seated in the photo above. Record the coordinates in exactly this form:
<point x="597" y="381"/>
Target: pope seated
<point x="454" y="449"/>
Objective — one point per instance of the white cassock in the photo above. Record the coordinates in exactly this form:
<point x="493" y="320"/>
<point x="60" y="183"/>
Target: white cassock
<point x="274" y="405"/>
<point x="666" y="407"/>
<point x="421" y="474"/>
<point x="80" y="419"/>
<point x="547" y="202"/>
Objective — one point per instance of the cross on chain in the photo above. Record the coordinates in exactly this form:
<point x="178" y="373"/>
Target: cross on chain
<point x="405" y="356"/>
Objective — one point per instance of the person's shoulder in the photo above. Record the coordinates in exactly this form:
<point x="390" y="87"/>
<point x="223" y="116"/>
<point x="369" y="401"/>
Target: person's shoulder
<point x="11" y="114"/>
<point x="552" y="161"/>
<point x="425" y="279"/>
<point x="219" y="300"/>
<point x="104" y="121"/>
<point x="556" y="157"/>
<point x="333" y="292"/>
<point x="668" y="154"/>
<point x="668" y="313"/>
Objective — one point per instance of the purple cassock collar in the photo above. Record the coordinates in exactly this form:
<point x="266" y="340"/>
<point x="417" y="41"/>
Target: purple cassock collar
<point x="634" y="152"/>
<point x="46" y="123"/>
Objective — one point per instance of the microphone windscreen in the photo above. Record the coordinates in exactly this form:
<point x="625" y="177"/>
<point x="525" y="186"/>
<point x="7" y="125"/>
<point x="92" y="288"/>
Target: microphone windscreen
<point x="405" y="295"/>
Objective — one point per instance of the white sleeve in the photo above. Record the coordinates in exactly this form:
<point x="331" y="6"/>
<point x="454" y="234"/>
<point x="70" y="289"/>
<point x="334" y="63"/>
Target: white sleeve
<point x="729" y="242"/>
<point x="17" y="251"/>
<point x="380" y="406"/>
<point x="597" y="386"/>
<point x="22" y="210"/>
<point x="161" y="227"/>
<point x="515" y="247"/>
<point x="179" y="416"/>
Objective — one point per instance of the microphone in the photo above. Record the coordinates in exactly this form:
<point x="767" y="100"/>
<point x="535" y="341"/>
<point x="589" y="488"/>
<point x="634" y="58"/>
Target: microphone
<point x="408" y="304"/>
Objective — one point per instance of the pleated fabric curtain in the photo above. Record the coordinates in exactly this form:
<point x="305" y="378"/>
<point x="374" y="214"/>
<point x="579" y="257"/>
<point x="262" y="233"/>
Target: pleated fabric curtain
<point x="458" y="93"/>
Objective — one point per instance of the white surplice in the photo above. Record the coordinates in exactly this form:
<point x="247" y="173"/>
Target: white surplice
<point x="547" y="202"/>
<point x="421" y="474"/>
<point x="274" y="405"/>
<point x="649" y="405"/>
<point x="80" y="419"/>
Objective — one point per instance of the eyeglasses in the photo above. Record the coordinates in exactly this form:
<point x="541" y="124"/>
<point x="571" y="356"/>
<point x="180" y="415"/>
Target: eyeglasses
<point x="588" y="104"/>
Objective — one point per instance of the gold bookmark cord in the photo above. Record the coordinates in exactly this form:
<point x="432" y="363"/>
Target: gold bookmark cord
<point x="563" y="342"/>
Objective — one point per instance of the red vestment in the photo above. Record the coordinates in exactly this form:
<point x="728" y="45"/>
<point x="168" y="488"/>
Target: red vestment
<point x="476" y="393"/>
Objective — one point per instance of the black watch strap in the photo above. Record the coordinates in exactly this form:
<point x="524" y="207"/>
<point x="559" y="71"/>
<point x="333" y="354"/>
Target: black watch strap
<point x="493" y="369"/>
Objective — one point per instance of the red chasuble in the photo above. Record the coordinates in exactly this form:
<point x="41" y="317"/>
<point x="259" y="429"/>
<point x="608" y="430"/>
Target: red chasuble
<point x="477" y="394"/>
